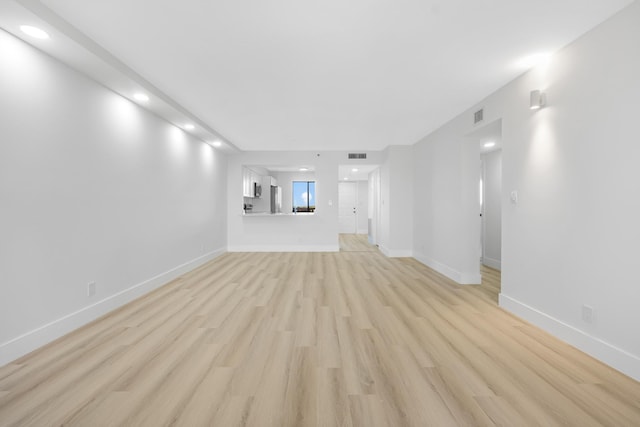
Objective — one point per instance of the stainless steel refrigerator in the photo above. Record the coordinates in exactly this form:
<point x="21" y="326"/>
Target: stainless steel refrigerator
<point x="276" y="199"/>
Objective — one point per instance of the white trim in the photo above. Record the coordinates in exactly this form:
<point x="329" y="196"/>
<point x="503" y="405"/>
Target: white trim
<point x="493" y="263"/>
<point x="470" y="279"/>
<point x="615" y="357"/>
<point x="32" y="340"/>
<point x="395" y="253"/>
<point x="362" y="231"/>
<point x="400" y="253"/>
<point x="462" y="278"/>
<point x="284" y="248"/>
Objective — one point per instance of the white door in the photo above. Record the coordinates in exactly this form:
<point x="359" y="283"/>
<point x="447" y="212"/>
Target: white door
<point x="347" y="199"/>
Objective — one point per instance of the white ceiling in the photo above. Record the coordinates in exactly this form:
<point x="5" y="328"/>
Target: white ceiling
<point x="331" y="74"/>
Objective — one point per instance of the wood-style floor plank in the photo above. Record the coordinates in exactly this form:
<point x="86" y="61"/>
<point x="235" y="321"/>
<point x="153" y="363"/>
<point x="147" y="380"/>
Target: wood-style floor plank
<point x="314" y="339"/>
<point x="355" y="243"/>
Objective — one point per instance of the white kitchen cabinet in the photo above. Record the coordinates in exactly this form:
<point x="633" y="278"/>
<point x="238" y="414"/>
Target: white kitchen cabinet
<point x="249" y="179"/>
<point x="247" y="182"/>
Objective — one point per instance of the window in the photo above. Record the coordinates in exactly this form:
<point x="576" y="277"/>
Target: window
<point x="304" y="196"/>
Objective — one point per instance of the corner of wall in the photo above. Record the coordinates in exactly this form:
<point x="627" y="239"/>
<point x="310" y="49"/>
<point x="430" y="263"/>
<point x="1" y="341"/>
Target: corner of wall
<point x="493" y="263"/>
<point x="395" y="253"/>
<point x="460" y="277"/>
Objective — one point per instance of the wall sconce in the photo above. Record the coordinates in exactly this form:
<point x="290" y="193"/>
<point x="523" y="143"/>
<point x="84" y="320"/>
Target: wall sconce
<point x="537" y="100"/>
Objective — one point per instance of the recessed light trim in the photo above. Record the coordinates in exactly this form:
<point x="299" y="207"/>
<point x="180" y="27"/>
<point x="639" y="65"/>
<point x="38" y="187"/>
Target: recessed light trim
<point x="34" y="32"/>
<point x="141" y="97"/>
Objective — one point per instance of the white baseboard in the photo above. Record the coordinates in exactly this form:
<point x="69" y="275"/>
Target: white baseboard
<point x="617" y="358"/>
<point x="26" y="343"/>
<point x="493" y="263"/>
<point x="284" y="248"/>
<point x="363" y="231"/>
<point x="463" y="278"/>
<point x="395" y="253"/>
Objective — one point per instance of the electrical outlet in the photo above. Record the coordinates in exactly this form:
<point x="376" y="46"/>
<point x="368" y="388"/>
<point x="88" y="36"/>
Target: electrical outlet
<point x="91" y="289"/>
<point x="587" y="314"/>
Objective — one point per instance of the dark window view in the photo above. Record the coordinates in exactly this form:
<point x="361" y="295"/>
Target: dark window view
<point x="304" y="196"/>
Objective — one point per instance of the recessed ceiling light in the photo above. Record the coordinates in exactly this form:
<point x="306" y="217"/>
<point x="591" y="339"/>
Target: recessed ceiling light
<point x="34" y="32"/>
<point x="141" y="97"/>
<point x="216" y="143"/>
<point x="489" y="144"/>
<point x="346" y="178"/>
<point x="354" y="170"/>
<point x="303" y="169"/>
<point x="189" y="126"/>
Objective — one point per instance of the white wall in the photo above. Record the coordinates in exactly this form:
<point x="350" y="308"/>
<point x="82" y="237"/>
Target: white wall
<point x="446" y="226"/>
<point x="397" y="198"/>
<point x="363" y="206"/>
<point x="492" y="209"/>
<point x="92" y="188"/>
<point x="318" y="232"/>
<point x="374" y="206"/>
<point x="573" y="237"/>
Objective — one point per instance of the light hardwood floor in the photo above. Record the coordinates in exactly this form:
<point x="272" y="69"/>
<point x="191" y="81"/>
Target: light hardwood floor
<point x="356" y="243"/>
<point x="327" y="339"/>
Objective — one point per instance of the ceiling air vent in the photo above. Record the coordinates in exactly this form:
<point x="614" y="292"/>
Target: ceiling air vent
<point x="357" y="155"/>
<point x="477" y="116"/>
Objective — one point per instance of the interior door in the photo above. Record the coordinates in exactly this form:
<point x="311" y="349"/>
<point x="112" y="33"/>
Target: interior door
<point x="347" y="199"/>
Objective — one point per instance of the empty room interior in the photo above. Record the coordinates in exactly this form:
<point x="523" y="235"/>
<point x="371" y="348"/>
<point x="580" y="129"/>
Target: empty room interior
<point x="281" y="213"/>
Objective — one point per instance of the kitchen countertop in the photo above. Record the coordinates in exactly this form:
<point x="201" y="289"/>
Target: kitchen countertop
<point x="278" y="214"/>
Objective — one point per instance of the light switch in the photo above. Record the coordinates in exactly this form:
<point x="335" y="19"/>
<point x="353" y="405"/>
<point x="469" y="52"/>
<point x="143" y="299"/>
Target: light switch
<point x="514" y="197"/>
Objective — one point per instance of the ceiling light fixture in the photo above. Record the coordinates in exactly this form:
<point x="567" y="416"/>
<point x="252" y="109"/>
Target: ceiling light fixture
<point x="354" y="170"/>
<point x="189" y="126"/>
<point x="303" y="169"/>
<point x="537" y="100"/>
<point x="489" y="144"/>
<point x="216" y="144"/>
<point x="34" y="32"/>
<point x="346" y="178"/>
<point x="141" y="97"/>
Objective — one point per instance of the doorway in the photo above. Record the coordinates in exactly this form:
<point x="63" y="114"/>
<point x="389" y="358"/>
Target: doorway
<point x="491" y="209"/>
<point x="356" y="216"/>
<point x="348" y="207"/>
<point x="489" y="195"/>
